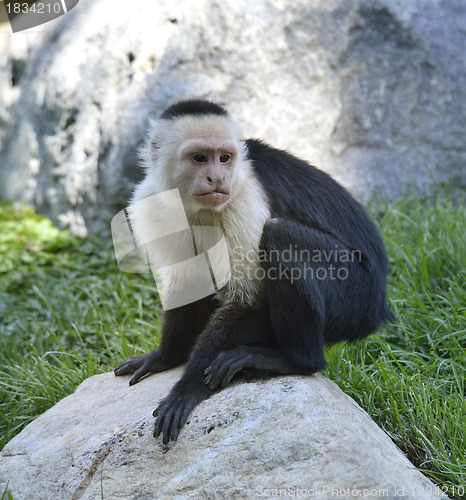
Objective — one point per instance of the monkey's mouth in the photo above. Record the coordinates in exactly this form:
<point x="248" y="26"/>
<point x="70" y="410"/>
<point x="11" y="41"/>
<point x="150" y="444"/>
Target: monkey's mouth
<point x="212" y="198"/>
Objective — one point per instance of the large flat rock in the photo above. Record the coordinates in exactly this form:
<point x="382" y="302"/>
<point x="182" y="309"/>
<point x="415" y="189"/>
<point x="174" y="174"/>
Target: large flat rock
<point x="253" y="439"/>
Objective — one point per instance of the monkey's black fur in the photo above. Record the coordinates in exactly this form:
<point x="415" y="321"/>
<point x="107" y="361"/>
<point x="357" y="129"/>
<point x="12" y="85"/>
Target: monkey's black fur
<point x="286" y="331"/>
<point x="195" y="107"/>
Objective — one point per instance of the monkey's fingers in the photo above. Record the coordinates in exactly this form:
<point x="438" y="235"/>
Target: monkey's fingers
<point x="223" y="369"/>
<point x="139" y="374"/>
<point x="179" y="419"/>
<point x="129" y="365"/>
<point x="173" y="412"/>
<point x="168" y="421"/>
<point x="167" y="425"/>
<point x="139" y="365"/>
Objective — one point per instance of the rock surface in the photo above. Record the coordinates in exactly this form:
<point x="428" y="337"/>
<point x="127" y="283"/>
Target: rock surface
<point x="370" y="90"/>
<point x="247" y="441"/>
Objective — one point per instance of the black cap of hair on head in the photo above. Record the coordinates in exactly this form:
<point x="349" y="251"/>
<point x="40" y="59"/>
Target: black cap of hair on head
<point x="193" y="107"/>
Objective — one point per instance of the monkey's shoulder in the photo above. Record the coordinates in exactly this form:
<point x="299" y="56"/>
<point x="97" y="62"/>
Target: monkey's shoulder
<point x="290" y="180"/>
<point x="272" y="164"/>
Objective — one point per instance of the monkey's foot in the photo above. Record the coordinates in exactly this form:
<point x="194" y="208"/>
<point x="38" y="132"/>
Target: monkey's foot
<point x="226" y="365"/>
<point x="141" y="366"/>
<point x="173" y="411"/>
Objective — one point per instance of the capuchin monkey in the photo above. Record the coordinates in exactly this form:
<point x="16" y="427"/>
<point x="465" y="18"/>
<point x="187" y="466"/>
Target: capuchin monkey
<point x="309" y="267"/>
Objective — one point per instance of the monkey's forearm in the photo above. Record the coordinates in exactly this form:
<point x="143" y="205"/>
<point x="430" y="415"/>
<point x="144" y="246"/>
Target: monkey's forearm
<point x="229" y="327"/>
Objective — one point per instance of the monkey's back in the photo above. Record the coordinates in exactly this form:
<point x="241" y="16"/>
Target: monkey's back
<point x="302" y="192"/>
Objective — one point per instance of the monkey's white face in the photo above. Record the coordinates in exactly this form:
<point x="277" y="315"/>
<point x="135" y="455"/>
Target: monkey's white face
<point x="207" y="167"/>
<point x="202" y="156"/>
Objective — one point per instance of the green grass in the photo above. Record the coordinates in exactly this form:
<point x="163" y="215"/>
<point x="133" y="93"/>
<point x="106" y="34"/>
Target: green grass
<point x="67" y="312"/>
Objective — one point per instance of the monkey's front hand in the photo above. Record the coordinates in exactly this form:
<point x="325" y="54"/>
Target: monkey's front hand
<point x="173" y="411"/>
<point x="141" y="366"/>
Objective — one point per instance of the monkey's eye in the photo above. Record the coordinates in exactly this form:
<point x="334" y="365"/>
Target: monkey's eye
<point x="200" y="158"/>
<point x="225" y="157"/>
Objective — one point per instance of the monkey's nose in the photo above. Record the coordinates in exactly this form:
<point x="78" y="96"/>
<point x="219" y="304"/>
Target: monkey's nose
<point x="215" y="180"/>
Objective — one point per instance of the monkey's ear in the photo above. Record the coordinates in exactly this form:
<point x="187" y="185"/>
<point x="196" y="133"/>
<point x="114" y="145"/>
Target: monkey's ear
<point x="149" y="151"/>
<point x="154" y="134"/>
